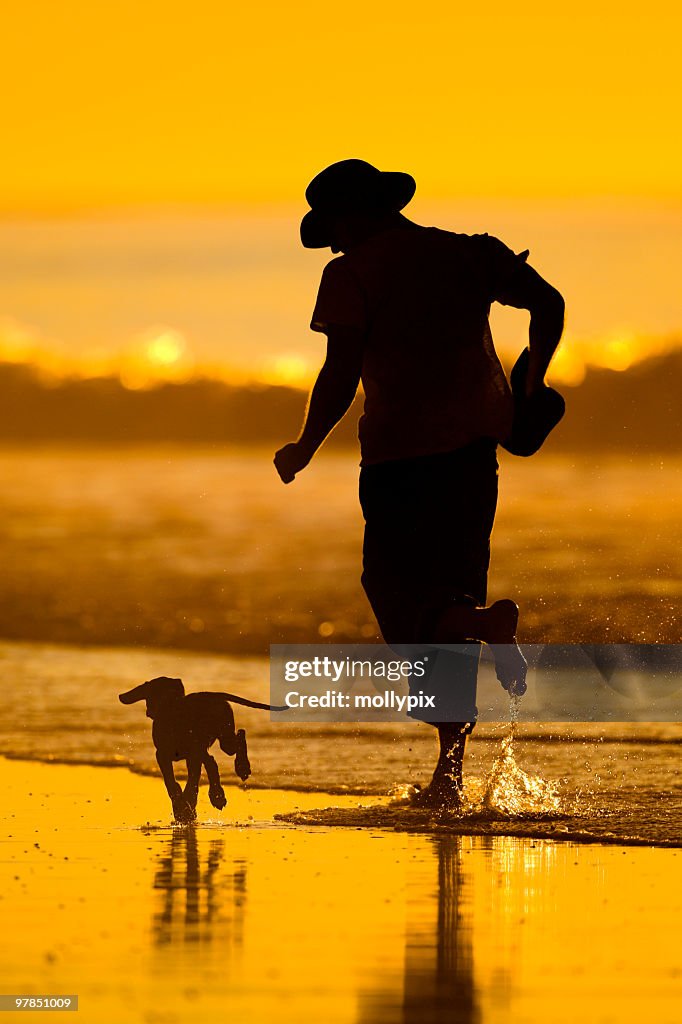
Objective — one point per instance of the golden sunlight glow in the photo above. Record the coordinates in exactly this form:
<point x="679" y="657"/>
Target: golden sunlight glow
<point x="162" y="354"/>
<point x="568" y="367"/>
<point x="166" y="348"/>
<point x="618" y="352"/>
<point x="18" y="342"/>
<point x="158" y="355"/>
<point x="290" y="368"/>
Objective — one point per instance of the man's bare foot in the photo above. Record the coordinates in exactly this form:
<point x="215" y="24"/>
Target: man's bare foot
<point x="444" y="795"/>
<point x="511" y="667"/>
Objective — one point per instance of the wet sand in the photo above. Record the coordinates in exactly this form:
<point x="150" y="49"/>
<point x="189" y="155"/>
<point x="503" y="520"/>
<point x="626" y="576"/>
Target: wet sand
<point x="258" y="920"/>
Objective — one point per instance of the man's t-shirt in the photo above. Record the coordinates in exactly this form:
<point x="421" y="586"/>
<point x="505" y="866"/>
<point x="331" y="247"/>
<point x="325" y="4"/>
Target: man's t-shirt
<point x="431" y="376"/>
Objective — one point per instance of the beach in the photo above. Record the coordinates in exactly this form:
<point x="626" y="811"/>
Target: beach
<point x="319" y="893"/>
<point x="196" y="311"/>
<point x="257" y="919"/>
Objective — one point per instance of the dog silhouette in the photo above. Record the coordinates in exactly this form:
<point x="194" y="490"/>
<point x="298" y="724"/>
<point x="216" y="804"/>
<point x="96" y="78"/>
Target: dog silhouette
<point x="184" y="727"/>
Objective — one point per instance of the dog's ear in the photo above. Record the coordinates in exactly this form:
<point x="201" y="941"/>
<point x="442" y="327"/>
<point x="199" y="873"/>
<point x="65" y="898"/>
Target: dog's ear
<point x="137" y="693"/>
<point x="162" y="686"/>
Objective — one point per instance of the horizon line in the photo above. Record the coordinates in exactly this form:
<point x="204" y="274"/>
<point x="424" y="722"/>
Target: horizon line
<point x="50" y="376"/>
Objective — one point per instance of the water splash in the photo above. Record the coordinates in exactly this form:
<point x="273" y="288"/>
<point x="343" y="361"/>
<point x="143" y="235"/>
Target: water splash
<point x="402" y="794"/>
<point x="508" y="790"/>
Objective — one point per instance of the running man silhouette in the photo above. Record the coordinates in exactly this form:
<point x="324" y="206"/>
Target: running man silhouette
<point x="405" y="309"/>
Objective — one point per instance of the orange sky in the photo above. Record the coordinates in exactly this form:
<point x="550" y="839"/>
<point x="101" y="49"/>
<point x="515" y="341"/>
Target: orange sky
<point x="161" y="295"/>
<point x="212" y="101"/>
<point x="553" y="127"/>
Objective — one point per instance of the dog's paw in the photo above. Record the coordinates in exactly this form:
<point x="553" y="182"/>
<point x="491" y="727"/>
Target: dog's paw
<point x="183" y="812"/>
<point x="242" y="768"/>
<point x="216" y="794"/>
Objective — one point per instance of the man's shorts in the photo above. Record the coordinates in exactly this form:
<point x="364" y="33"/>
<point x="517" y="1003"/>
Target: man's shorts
<point x="428" y="522"/>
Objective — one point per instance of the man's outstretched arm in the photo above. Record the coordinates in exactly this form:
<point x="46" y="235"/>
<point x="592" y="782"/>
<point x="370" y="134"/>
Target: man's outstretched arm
<point x="527" y="290"/>
<point x="330" y="399"/>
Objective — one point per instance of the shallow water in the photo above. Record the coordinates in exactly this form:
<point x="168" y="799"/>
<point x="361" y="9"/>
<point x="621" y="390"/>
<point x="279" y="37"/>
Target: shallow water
<point x="118" y="562"/>
<point x="593" y="780"/>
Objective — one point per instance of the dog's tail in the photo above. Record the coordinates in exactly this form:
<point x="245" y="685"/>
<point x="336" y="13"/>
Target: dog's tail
<point x="232" y="698"/>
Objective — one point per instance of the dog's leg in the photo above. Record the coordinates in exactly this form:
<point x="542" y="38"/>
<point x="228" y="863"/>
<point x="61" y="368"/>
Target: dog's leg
<point x="235" y="743"/>
<point x="241" y="761"/>
<point x="228" y="742"/>
<point x="216" y="793"/>
<point x="191" y="793"/>
<point x="181" y="809"/>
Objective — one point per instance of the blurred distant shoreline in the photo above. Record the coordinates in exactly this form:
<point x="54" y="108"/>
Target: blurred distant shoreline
<point x="635" y="410"/>
<point x="197" y="546"/>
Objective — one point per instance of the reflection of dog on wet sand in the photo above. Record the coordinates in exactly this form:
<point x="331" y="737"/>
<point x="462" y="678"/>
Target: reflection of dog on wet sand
<point x="184" y="727"/>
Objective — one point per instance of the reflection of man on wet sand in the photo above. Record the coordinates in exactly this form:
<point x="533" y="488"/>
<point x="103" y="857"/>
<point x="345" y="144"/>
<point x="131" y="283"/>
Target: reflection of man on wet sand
<point x="405" y="308"/>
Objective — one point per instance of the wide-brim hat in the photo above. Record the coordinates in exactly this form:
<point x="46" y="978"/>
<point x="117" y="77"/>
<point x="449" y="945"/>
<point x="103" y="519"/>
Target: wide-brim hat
<point x="535" y="416"/>
<point x="351" y="186"/>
